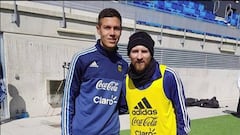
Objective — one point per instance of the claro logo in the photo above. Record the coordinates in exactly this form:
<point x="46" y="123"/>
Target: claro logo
<point x="108" y="86"/>
<point x="106" y="101"/>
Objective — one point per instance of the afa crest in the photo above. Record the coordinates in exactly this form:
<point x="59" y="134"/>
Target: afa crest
<point x="119" y="68"/>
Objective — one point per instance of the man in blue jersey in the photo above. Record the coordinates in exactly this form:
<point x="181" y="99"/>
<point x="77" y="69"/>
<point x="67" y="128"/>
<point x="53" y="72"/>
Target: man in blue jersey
<point x="2" y="86"/>
<point x="94" y="83"/>
<point x="154" y="92"/>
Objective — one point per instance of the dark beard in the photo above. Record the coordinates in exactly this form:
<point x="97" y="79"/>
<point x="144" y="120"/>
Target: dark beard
<point x="140" y="79"/>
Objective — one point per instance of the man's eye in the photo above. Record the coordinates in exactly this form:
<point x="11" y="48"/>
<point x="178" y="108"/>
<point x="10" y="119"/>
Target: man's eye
<point x="107" y="28"/>
<point x="144" y="51"/>
<point x="117" y="28"/>
<point x="134" y="51"/>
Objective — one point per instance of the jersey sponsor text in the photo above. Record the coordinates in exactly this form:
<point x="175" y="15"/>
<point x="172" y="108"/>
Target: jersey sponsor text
<point x="108" y="86"/>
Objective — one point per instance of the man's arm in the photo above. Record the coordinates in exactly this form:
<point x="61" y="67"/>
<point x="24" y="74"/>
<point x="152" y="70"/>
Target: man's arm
<point x="3" y="93"/>
<point x="175" y="92"/>
<point x="71" y="91"/>
<point x="123" y="108"/>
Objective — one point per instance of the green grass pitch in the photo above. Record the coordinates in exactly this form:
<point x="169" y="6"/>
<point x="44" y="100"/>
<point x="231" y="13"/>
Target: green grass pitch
<point x="219" y="125"/>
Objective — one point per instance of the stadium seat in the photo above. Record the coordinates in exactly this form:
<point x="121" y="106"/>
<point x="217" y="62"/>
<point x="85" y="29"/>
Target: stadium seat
<point x="189" y="11"/>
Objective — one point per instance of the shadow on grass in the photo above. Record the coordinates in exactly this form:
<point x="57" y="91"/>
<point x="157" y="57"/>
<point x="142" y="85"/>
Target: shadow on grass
<point x="233" y="113"/>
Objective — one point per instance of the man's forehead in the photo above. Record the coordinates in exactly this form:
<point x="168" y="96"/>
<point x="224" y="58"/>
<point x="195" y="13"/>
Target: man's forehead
<point x="139" y="46"/>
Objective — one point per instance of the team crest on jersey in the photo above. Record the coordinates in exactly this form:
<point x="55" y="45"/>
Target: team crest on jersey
<point x="119" y="68"/>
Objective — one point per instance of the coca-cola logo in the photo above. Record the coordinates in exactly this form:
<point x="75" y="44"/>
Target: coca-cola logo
<point x="147" y="121"/>
<point x="109" y="86"/>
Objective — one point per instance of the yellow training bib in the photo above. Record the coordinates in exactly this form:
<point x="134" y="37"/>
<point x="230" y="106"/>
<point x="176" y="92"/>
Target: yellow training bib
<point x="151" y="112"/>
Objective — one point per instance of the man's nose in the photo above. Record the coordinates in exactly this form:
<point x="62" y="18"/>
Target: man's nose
<point x="139" y="55"/>
<point x="112" y="31"/>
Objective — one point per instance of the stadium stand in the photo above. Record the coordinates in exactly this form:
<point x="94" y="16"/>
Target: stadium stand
<point x="190" y="9"/>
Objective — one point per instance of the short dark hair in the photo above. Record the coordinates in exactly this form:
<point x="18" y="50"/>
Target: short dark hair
<point x="109" y="12"/>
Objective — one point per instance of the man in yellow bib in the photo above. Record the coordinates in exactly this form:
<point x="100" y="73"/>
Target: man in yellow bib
<point x="154" y="92"/>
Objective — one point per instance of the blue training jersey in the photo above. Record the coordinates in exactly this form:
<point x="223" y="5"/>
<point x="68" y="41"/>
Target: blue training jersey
<point x="91" y="93"/>
<point x="3" y="93"/>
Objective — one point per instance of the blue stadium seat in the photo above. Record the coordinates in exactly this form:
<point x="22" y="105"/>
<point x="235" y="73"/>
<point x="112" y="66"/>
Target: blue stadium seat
<point x="177" y="8"/>
<point x="202" y="14"/>
<point x="140" y="3"/>
<point x="200" y="7"/>
<point x="189" y="11"/>
<point x="209" y="16"/>
<point x="233" y="19"/>
<point x="191" y="4"/>
<point x="160" y="5"/>
<point x="168" y="5"/>
<point x="233" y="22"/>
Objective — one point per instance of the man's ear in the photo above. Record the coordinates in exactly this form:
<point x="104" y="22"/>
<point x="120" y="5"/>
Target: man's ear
<point x="98" y="28"/>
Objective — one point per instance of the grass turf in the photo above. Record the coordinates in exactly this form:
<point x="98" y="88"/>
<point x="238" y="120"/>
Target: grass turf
<point x="219" y="125"/>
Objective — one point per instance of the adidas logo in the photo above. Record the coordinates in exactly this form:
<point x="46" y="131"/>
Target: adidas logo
<point x="144" y="108"/>
<point x="93" y="64"/>
<point x="143" y="104"/>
